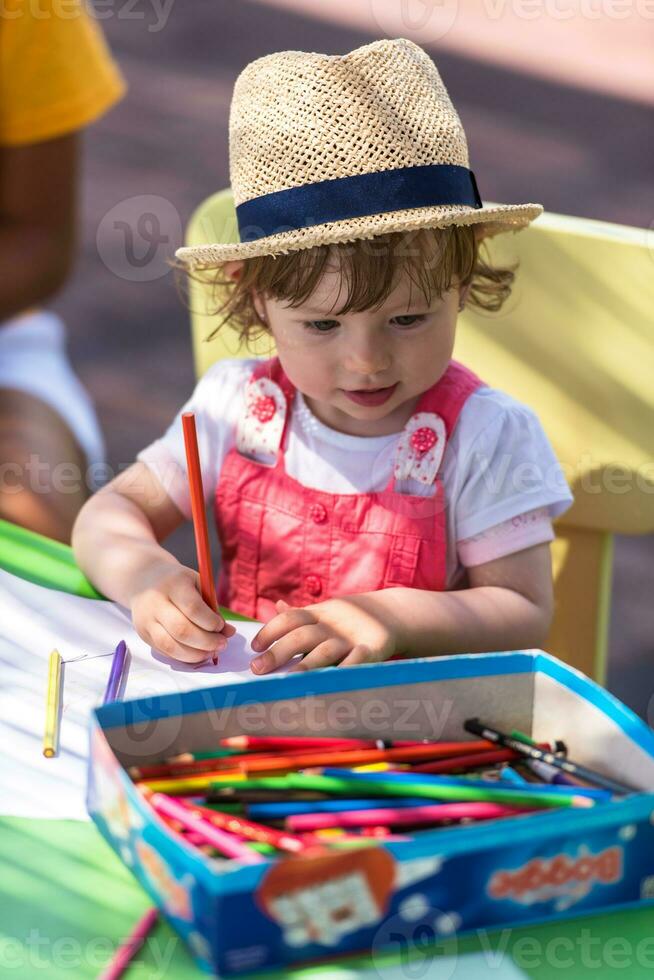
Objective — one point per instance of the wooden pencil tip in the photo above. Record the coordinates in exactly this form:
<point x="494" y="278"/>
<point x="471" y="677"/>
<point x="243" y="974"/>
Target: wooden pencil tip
<point x="234" y="742"/>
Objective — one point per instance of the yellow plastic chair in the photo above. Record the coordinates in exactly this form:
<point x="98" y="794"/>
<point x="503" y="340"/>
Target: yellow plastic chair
<point x="575" y="341"/>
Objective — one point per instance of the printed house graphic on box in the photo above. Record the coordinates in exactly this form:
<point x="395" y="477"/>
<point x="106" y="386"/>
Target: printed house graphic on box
<point x="237" y="918"/>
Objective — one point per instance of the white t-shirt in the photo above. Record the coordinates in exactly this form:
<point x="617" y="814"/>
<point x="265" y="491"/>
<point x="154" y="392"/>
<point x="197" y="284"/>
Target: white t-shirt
<point x="502" y="481"/>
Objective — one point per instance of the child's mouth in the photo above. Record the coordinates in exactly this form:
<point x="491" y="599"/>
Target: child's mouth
<point x="376" y="396"/>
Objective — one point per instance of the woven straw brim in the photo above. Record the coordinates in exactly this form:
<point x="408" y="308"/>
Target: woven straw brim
<point x="496" y="218"/>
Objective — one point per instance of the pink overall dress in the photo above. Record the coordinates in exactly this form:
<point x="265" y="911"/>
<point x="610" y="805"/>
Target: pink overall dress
<point x="282" y="540"/>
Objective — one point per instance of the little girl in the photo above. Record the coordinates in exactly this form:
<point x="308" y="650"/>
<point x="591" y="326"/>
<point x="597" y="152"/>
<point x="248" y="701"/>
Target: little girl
<point x="373" y="497"/>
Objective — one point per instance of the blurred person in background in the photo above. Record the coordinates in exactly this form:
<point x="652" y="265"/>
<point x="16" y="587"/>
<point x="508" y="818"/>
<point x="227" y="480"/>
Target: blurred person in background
<point x="56" y="77"/>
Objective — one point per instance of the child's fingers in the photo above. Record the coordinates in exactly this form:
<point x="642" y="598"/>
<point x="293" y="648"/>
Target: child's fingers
<point x="279" y="626"/>
<point x="185" y="632"/>
<point x="300" y="640"/>
<point x="326" y="654"/>
<point x="187" y="599"/>
<point x="360" y="654"/>
<point x="162" y="641"/>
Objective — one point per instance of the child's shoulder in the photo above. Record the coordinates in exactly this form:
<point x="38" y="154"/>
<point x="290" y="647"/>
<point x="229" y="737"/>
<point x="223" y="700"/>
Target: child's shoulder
<point x="495" y="414"/>
<point x="220" y="391"/>
<point x="229" y="370"/>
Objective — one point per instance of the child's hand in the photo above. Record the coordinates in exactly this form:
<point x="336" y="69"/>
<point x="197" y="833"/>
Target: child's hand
<point x="350" y="630"/>
<point x="169" y="613"/>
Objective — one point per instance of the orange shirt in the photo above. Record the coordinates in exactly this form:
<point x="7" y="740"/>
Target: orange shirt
<point x="56" y="72"/>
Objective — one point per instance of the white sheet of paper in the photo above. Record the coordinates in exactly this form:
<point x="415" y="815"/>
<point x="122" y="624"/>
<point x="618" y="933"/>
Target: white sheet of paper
<point x="33" y="621"/>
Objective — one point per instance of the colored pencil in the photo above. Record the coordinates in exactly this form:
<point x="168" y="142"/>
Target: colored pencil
<point x="185" y="761"/>
<point x="192" y="785"/>
<point x="253" y="831"/>
<point x="230" y="794"/>
<point x="116" y="673"/>
<point x="53" y="704"/>
<point x="284" y="742"/>
<point x="472" y="761"/>
<point x="476" y="727"/>
<point x="351" y="757"/>
<point x="381" y="767"/>
<point x="393" y="817"/>
<point x="509" y="775"/>
<point x="278" y="811"/>
<point x="207" y="584"/>
<point x="192" y="819"/>
<point x="412" y="777"/>
<point x="431" y="790"/>
<point x="128" y="950"/>
<point x="358" y="841"/>
<point x="197" y="756"/>
<point x="201" y="768"/>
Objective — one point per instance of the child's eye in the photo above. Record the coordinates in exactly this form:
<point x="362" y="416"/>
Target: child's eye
<point x="412" y="319"/>
<point x="320" y="326"/>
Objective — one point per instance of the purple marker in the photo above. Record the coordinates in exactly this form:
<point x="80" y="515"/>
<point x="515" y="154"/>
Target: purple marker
<point x="116" y="675"/>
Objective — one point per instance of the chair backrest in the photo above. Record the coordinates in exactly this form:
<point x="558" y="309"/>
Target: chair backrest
<point x="575" y="341"/>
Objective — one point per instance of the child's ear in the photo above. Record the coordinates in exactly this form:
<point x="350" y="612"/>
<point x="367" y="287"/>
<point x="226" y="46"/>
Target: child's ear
<point x="234" y="268"/>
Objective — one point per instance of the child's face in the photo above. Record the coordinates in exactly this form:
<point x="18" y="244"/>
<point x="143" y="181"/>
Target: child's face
<point x="362" y="373"/>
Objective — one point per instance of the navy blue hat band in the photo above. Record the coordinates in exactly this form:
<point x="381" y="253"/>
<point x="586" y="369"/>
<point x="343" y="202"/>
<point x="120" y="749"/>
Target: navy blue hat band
<point x="438" y="184"/>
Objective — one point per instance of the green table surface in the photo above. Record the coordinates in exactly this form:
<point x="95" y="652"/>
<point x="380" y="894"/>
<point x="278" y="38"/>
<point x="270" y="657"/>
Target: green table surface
<point x="66" y="901"/>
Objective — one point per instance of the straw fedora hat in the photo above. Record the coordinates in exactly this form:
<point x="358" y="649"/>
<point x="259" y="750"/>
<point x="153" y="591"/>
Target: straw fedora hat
<point x="333" y="148"/>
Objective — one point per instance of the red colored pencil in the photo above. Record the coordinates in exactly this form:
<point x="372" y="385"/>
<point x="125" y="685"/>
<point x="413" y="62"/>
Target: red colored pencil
<point x="353" y="757"/>
<point x="207" y="584"/>
<point x="128" y="950"/>
<point x="472" y="761"/>
<point x="255" y="743"/>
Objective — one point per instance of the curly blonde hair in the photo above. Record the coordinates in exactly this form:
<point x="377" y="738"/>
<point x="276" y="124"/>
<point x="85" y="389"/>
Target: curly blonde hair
<point x="434" y="259"/>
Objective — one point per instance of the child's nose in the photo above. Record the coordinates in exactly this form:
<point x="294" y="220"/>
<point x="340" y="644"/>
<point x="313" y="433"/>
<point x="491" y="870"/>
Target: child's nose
<point x="367" y="356"/>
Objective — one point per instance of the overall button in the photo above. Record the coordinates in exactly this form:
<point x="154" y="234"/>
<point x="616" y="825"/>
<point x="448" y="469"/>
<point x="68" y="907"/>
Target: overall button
<point x="318" y="513"/>
<point x="264" y="408"/>
<point x="423" y="439"/>
<point x="313" y="585"/>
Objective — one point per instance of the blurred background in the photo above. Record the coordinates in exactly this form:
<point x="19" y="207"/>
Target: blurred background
<point x="556" y="99"/>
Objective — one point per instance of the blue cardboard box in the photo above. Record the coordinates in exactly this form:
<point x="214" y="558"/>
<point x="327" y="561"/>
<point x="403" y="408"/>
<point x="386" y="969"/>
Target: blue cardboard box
<point x="446" y="882"/>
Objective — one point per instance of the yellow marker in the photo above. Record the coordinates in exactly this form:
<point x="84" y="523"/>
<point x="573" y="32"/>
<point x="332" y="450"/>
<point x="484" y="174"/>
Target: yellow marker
<point x="374" y="767"/>
<point x="51" y="736"/>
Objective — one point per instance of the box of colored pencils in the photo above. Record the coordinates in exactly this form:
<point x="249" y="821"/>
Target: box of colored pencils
<point x="296" y="818"/>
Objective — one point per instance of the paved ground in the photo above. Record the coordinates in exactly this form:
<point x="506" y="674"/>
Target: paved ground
<point x="585" y="148"/>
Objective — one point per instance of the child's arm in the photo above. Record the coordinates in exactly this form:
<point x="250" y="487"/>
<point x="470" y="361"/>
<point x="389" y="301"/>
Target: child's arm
<point x="37" y="221"/>
<point x="508" y="607"/>
<point x="116" y="543"/>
